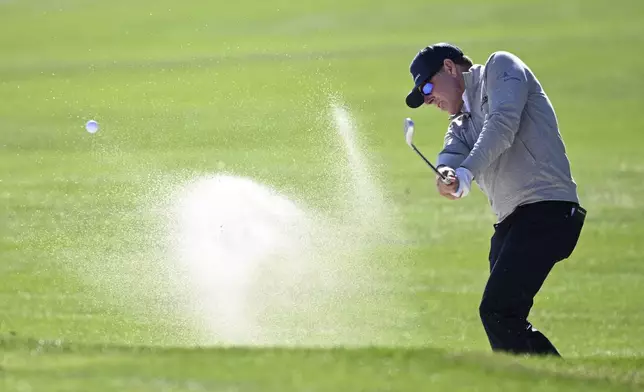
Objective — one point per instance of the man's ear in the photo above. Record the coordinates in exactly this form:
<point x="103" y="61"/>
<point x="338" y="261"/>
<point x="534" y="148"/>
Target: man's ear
<point x="450" y="67"/>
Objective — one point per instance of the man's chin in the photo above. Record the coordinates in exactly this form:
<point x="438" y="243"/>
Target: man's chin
<point x="448" y="109"/>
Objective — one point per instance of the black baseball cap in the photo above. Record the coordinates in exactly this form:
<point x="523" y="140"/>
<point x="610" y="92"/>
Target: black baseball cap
<point x="425" y="65"/>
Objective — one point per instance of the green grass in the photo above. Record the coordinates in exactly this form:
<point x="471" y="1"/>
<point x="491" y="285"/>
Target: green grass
<point x="188" y="88"/>
<point x="54" y="366"/>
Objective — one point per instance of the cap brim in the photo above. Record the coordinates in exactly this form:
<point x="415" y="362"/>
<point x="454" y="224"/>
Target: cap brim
<point x="415" y="99"/>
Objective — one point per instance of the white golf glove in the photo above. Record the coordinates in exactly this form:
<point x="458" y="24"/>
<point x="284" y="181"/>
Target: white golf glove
<point x="464" y="182"/>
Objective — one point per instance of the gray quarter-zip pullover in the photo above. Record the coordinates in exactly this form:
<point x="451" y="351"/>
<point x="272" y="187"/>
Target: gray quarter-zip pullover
<point x="510" y="139"/>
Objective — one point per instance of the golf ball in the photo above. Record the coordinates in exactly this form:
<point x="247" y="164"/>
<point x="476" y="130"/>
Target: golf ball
<point x="91" y="126"/>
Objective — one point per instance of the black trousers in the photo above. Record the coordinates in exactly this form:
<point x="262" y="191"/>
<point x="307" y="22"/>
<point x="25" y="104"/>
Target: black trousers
<point x="524" y="248"/>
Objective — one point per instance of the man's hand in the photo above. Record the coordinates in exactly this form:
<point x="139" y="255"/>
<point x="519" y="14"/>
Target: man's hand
<point x="446" y="190"/>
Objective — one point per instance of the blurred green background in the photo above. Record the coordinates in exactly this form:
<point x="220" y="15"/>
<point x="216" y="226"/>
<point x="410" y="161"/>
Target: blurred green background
<point x="183" y="89"/>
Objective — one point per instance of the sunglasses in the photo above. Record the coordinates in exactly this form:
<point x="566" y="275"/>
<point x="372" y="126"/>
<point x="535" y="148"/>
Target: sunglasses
<point x="426" y="88"/>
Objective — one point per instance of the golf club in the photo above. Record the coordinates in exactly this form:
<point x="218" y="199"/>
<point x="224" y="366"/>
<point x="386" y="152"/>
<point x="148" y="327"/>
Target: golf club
<point x="409" y="135"/>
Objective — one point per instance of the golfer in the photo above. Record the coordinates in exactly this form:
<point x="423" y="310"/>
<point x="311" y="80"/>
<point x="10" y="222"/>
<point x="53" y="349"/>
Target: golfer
<point x="503" y="134"/>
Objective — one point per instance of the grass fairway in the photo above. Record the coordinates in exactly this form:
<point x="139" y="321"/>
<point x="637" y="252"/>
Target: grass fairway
<point x="55" y="367"/>
<point x="89" y="296"/>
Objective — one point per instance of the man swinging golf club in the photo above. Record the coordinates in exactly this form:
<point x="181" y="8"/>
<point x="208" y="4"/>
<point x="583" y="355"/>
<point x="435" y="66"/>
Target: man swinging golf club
<point x="503" y="134"/>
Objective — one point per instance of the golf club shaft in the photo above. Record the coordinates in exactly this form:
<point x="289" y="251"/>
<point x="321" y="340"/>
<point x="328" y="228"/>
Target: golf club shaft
<point x="429" y="163"/>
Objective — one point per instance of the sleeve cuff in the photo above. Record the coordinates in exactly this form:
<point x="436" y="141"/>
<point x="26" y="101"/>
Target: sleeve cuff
<point x="464" y="182"/>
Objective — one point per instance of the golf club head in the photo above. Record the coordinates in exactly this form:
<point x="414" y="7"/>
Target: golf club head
<point x="409" y="131"/>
